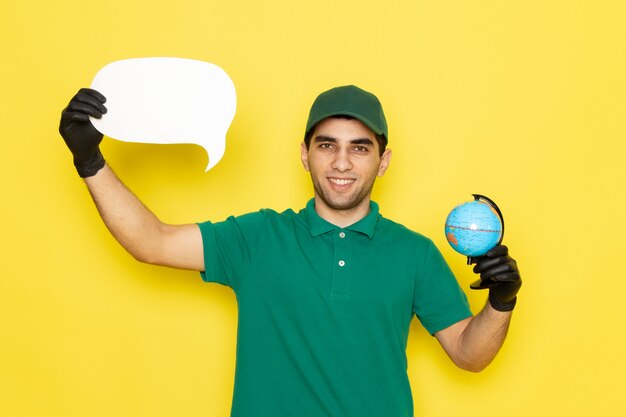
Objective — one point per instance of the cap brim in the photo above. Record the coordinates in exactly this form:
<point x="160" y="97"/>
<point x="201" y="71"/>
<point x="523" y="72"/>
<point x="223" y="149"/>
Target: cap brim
<point x="365" y="121"/>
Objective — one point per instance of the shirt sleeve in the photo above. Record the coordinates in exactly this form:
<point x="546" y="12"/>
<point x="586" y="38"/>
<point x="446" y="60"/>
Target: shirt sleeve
<point x="230" y="246"/>
<point x="438" y="301"/>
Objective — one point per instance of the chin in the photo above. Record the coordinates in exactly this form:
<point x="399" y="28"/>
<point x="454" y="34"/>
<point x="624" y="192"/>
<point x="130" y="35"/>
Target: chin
<point x="343" y="204"/>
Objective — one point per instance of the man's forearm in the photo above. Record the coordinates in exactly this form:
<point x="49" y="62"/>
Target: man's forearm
<point x="483" y="337"/>
<point x="132" y="224"/>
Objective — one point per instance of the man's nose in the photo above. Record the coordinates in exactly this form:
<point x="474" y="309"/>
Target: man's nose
<point x="342" y="162"/>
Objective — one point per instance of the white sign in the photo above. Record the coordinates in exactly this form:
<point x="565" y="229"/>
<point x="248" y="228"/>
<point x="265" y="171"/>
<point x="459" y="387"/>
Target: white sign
<point x="165" y="101"/>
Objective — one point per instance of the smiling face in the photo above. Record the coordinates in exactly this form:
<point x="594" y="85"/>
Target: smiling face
<point x="344" y="160"/>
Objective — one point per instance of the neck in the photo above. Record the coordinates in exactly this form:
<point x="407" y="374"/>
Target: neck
<point x="342" y="218"/>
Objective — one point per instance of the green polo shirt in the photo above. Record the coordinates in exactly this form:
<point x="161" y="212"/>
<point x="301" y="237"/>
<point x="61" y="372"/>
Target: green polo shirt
<point x="324" y="311"/>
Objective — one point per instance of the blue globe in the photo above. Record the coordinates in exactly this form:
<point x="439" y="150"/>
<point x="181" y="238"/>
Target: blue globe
<point x="473" y="228"/>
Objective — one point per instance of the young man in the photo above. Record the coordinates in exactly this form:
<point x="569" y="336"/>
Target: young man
<point x="325" y="295"/>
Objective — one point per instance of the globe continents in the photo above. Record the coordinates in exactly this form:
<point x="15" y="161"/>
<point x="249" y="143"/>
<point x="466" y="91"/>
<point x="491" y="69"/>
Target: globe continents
<point x="473" y="228"/>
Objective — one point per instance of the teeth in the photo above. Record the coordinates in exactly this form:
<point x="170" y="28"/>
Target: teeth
<point x="341" y="181"/>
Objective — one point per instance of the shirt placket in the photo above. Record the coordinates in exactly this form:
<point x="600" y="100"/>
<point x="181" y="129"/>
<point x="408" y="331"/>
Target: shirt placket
<point x="341" y="265"/>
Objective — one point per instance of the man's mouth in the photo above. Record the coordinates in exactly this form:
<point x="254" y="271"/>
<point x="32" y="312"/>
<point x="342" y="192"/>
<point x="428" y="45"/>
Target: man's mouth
<point x="341" y="181"/>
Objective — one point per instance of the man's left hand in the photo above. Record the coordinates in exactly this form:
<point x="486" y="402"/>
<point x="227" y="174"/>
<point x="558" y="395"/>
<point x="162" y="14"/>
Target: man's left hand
<point x="498" y="272"/>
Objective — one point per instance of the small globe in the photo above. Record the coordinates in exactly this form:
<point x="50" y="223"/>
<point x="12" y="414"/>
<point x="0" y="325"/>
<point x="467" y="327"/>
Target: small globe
<point x="473" y="228"/>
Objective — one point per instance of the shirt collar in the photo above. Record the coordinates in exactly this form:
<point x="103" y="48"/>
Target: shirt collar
<point x="318" y="226"/>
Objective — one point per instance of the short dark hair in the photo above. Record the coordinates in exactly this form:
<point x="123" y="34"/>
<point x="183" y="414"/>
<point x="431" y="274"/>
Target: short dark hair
<point x="382" y="142"/>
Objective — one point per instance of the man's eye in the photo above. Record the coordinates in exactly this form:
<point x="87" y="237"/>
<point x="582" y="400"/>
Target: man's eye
<point x="325" y="146"/>
<point x="361" y="148"/>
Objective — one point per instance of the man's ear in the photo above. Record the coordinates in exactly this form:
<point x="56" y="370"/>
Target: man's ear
<point x="385" y="159"/>
<point x="304" y="156"/>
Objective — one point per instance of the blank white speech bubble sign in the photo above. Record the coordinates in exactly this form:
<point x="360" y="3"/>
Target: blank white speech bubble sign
<point x="166" y="101"/>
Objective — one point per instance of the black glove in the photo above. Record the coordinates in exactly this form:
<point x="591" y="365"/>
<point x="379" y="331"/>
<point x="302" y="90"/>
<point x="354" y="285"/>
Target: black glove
<point x="498" y="272"/>
<point x="79" y="134"/>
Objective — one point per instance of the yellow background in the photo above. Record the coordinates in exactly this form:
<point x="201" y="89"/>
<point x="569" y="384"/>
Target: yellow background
<point x="522" y="101"/>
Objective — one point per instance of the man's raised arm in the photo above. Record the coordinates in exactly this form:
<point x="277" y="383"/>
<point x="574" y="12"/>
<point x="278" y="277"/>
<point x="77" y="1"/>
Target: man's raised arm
<point x="134" y="226"/>
<point x="474" y="342"/>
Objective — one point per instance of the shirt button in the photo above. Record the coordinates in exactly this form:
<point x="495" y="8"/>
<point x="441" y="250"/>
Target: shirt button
<point x="342" y="235"/>
<point x="341" y="263"/>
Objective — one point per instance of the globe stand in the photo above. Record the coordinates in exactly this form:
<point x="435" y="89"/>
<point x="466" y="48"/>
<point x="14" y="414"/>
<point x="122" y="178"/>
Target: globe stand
<point x="478" y="197"/>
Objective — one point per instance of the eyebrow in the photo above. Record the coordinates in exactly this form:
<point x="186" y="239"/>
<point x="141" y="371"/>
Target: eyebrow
<point x="362" y="141"/>
<point x="359" y="141"/>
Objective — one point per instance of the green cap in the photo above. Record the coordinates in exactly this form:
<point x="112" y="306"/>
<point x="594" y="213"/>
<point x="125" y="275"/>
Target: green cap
<point x="349" y="100"/>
